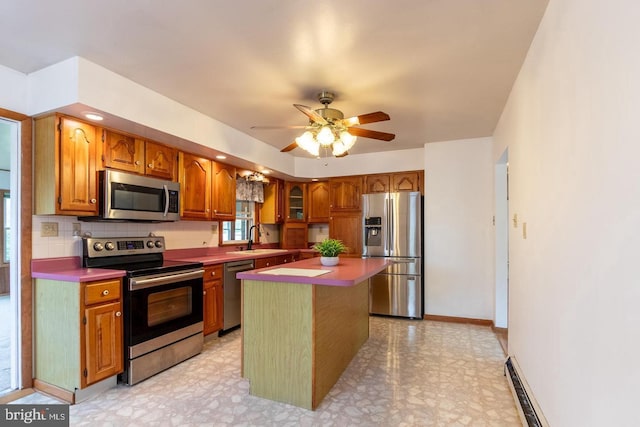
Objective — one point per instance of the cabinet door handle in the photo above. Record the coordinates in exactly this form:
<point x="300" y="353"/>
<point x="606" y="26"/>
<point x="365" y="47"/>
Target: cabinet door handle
<point x="93" y="201"/>
<point x="204" y="292"/>
<point x="150" y="165"/>
<point x="105" y="292"/>
<point x="213" y="273"/>
<point x="137" y="162"/>
<point x="118" y="313"/>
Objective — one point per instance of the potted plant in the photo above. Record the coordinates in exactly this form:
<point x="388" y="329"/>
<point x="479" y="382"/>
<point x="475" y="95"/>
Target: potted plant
<point x="329" y="250"/>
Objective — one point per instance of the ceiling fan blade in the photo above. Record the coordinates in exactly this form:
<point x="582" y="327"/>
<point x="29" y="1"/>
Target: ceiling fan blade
<point x="280" y="127"/>
<point x="363" y="119"/>
<point x="373" y="134"/>
<point x="289" y="147"/>
<point x="314" y="116"/>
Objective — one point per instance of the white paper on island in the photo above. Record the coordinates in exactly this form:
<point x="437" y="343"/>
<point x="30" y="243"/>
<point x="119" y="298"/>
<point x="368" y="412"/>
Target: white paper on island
<point x="296" y="272"/>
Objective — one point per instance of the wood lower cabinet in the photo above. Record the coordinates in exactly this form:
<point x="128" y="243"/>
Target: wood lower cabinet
<point x="65" y="167"/>
<point x="348" y="228"/>
<point x="275" y="260"/>
<point x="213" y="299"/>
<point x="78" y="335"/>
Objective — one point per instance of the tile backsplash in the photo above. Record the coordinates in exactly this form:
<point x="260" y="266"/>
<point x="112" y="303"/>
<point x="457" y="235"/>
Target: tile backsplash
<point x="178" y="235"/>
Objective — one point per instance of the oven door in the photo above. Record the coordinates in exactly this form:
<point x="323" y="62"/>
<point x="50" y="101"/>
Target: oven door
<point x="161" y="304"/>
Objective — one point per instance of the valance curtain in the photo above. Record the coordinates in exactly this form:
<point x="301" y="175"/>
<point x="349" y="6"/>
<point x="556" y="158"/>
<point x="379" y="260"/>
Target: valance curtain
<point x="252" y="191"/>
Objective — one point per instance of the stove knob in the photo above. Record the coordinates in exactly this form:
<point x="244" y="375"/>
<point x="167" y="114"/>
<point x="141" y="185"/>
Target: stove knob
<point x="109" y="246"/>
<point x="158" y="244"/>
<point x="150" y="244"/>
<point x="98" y="247"/>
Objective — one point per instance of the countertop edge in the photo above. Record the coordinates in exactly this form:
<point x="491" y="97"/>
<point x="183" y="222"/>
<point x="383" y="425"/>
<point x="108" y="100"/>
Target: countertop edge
<point x="331" y="279"/>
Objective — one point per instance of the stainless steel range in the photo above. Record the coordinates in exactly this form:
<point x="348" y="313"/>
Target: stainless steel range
<point x="162" y="302"/>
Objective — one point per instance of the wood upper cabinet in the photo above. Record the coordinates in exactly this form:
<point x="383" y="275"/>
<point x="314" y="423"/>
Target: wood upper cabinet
<point x="398" y="181"/>
<point x="345" y="193"/>
<point x="407" y="181"/>
<point x="122" y="152"/>
<point x="318" y="202"/>
<point x="223" y="200"/>
<point x="128" y="153"/>
<point x="213" y="301"/>
<point x="377" y="183"/>
<point x="348" y="228"/>
<point x="160" y="160"/>
<point x="195" y="185"/>
<point x="296" y="202"/>
<point x="65" y="167"/>
<point x="271" y="211"/>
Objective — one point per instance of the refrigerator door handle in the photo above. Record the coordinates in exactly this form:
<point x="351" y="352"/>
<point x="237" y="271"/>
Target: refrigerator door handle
<point x="390" y="223"/>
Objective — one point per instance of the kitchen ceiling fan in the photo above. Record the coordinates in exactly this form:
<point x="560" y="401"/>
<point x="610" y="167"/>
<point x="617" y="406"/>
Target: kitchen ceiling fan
<point x="328" y="129"/>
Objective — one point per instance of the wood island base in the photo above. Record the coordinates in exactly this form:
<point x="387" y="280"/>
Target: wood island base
<point x="297" y="339"/>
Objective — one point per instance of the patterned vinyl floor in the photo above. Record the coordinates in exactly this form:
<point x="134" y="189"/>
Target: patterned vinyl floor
<point x="409" y="373"/>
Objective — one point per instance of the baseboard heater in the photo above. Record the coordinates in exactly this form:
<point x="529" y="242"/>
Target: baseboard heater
<point x="528" y="409"/>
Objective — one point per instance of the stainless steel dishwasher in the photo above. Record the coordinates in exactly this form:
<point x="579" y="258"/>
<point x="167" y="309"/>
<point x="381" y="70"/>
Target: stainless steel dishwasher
<point x="231" y="292"/>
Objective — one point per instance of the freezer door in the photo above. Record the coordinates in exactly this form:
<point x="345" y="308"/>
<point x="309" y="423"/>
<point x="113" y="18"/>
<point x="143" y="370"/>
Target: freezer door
<point x="404" y="266"/>
<point x="396" y="295"/>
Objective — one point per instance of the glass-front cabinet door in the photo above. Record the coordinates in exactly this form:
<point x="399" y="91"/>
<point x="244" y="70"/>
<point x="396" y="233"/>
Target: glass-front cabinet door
<point x="296" y="203"/>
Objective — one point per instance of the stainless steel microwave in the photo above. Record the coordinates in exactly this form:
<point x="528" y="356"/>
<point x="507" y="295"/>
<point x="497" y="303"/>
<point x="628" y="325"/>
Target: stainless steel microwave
<point x="125" y="196"/>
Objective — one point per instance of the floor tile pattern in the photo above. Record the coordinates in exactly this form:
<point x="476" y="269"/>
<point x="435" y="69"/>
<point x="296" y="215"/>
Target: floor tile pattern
<point x="409" y="373"/>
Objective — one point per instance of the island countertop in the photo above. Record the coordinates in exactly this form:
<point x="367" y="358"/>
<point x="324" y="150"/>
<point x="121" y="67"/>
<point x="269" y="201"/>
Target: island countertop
<point x="348" y="272"/>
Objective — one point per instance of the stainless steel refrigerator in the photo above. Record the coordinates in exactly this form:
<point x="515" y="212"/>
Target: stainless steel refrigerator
<point x="392" y="227"/>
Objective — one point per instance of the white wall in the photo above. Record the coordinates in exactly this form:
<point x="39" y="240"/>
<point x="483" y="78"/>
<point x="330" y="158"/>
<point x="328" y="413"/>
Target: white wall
<point x="571" y="126"/>
<point x="458" y="228"/>
<point x="13" y="87"/>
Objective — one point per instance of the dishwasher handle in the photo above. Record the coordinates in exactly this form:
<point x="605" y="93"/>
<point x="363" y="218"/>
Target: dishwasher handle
<point x="239" y="267"/>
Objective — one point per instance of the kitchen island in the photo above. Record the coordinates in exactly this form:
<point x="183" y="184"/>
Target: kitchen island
<point x="302" y="325"/>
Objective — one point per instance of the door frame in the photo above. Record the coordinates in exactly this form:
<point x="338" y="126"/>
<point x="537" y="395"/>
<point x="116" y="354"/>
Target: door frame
<point x="25" y="336"/>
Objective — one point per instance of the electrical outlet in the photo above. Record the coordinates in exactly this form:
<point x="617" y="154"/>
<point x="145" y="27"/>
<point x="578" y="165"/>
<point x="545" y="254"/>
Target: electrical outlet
<point x="77" y="229"/>
<point x="49" y="229"/>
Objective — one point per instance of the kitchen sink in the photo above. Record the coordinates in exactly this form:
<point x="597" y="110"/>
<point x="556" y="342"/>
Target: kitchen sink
<point x="257" y="251"/>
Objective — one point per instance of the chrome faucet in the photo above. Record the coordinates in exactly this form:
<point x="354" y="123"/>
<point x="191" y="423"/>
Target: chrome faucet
<point x="250" y="242"/>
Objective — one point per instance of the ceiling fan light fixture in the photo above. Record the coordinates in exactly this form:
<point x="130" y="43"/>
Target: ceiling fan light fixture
<point x="325" y="136"/>
<point x="338" y="148"/>
<point x="347" y="139"/>
<point x="307" y="142"/>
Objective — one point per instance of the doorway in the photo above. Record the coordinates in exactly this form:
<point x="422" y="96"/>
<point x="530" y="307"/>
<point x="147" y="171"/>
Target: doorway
<point x="501" y="315"/>
<point x="9" y="295"/>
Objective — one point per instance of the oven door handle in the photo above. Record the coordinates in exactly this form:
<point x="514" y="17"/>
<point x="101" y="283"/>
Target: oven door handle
<point x="142" y="283"/>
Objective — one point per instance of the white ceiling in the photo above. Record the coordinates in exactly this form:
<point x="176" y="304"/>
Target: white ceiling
<point x="442" y="69"/>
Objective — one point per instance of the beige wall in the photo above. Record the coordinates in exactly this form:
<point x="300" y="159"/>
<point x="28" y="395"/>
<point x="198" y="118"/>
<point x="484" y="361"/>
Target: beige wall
<point x="571" y="128"/>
